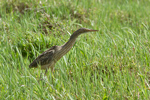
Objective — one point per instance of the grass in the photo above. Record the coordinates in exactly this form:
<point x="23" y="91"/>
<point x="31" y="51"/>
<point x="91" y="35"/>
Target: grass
<point x="112" y="63"/>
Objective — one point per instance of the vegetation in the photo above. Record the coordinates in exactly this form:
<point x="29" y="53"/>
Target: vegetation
<point x="112" y="63"/>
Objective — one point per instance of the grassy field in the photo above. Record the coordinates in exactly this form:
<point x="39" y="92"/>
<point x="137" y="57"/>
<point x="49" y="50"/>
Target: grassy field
<point x="112" y="63"/>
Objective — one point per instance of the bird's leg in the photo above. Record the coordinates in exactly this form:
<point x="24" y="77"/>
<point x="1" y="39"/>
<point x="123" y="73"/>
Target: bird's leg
<point x="42" y="76"/>
<point x="46" y="71"/>
<point x="52" y="69"/>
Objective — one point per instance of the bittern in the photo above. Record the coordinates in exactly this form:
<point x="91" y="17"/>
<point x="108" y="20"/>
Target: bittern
<point x="49" y="58"/>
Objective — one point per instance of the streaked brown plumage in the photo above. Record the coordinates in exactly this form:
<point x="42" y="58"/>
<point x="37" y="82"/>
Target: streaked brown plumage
<point x="48" y="58"/>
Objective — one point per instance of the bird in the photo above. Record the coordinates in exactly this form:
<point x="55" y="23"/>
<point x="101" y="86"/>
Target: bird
<point x="49" y="57"/>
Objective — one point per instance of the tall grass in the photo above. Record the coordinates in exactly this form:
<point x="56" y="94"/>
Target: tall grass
<point x="112" y="63"/>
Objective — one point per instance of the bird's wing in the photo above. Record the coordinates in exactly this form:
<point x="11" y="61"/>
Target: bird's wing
<point x="44" y="58"/>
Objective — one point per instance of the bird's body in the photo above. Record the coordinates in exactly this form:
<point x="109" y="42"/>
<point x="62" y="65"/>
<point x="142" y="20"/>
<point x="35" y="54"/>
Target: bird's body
<point x="48" y="58"/>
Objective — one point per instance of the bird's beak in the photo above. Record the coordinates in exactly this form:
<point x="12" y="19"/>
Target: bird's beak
<point x="90" y="30"/>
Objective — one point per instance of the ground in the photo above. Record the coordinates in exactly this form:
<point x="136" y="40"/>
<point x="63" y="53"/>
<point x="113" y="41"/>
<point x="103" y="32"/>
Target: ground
<point x="112" y="63"/>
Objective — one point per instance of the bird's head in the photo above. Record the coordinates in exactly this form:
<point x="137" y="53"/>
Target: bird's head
<point x="84" y="30"/>
<point x="81" y="31"/>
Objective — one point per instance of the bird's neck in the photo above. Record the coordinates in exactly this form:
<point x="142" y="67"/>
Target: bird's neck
<point x="67" y="46"/>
